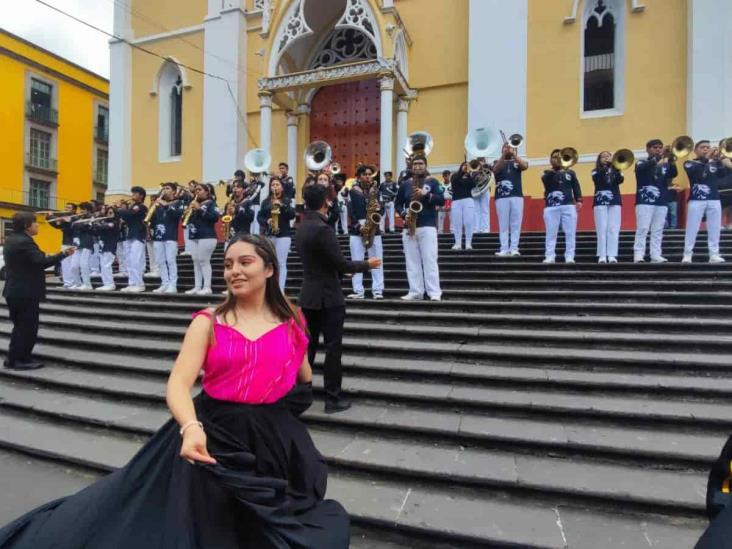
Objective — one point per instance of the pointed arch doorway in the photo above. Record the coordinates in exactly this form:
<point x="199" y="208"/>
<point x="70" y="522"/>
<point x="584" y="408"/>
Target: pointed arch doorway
<point x="347" y="117"/>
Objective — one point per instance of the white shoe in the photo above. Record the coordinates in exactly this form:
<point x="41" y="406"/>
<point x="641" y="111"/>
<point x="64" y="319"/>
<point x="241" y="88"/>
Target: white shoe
<point x="468" y="248"/>
<point x="549" y="261"/>
<point x="85" y="287"/>
<point x="120" y="275"/>
<point x="185" y="253"/>
<point x="612" y="259"/>
<point x="638" y="259"/>
<point x="95" y="274"/>
<point x="160" y="290"/>
<point x="435" y="298"/>
<point x="602" y="259"/>
<point x="355" y="296"/>
<point x="569" y="261"/>
<point x="192" y="291"/>
<point x="515" y="253"/>
<point x="716" y="258"/>
<point x="412" y="297"/>
<point x="170" y="290"/>
<point x="659" y="259"/>
<point x="686" y="259"/>
<point x="502" y="254"/>
<point x="105" y="288"/>
<point x="204" y="291"/>
<point x="456" y="247"/>
<point x="151" y="274"/>
<point x="136" y="289"/>
<point x="378" y="295"/>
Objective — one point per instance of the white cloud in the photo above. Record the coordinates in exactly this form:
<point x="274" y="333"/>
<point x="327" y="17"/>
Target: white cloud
<point x="60" y="34"/>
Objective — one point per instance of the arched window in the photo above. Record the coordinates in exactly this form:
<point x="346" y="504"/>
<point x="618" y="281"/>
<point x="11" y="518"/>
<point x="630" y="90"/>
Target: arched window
<point x="602" y="58"/>
<point x="170" y="96"/>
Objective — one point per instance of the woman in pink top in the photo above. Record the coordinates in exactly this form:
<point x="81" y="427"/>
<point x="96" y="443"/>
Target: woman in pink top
<point x="236" y="467"/>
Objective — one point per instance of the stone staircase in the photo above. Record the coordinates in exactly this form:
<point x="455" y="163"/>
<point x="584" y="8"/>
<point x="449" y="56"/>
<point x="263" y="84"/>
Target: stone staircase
<point x="535" y="406"/>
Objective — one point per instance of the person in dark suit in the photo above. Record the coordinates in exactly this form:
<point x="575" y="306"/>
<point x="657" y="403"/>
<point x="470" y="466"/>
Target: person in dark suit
<point x="25" y="287"/>
<point x="321" y="295"/>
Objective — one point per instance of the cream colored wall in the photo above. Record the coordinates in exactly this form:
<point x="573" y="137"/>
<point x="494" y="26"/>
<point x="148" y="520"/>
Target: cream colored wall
<point x="147" y="170"/>
<point x="161" y="16"/>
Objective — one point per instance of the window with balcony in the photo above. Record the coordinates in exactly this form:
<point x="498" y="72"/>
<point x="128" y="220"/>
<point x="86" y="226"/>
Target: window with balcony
<point x="100" y="172"/>
<point x="602" y="60"/>
<point x="40" y="106"/>
<point x="39" y="195"/>
<point x="102" y="128"/>
<point x="39" y="155"/>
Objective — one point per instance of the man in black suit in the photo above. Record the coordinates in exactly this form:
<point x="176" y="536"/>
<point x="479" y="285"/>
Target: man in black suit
<point x="25" y="287"/>
<point x="321" y="295"/>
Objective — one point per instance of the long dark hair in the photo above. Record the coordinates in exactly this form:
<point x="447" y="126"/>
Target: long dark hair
<point x="275" y="299"/>
<point x="599" y="165"/>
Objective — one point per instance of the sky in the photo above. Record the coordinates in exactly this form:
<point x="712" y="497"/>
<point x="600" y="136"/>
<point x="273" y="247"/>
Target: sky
<point x="60" y="34"/>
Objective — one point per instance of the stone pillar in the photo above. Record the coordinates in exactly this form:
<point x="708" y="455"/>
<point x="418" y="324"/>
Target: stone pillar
<point x="386" y="85"/>
<point x="303" y="131"/>
<point x="292" y="144"/>
<point x="401" y="134"/>
<point x="120" y="105"/>
<point x="265" y="121"/>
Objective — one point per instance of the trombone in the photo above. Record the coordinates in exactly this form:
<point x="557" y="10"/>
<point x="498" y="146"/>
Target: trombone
<point x="725" y="147"/>
<point x="568" y="157"/>
<point x="680" y="148"/>
<point x="623" y="159"/>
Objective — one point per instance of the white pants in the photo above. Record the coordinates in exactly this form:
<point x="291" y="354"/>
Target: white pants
<point x="105" y="263"/>
<point x="607" y="226"/>
<point x="167" y="264"/>
<point x="388" y="217"/>
<point x="282" y="247"/>
<point x="358" y="253"/>
<point x="254" y="227"/>
<point x="463" y="219"/>
<point x="441" y="215"/>
<point x="152" y="263"/>
<point x="566" y="216"/>
<point x="81" y="272"/>
<point x="186" y="240"/>
<point x="695" y="211"/>
<point x="647" y="218"/>
<point x="201" y="252"/>
<point x="510" y="216"/>
<point x="94" y="260"/>
<point x="122" y="249"/>
<point x="135" y="262"/>
<point x="482" y="213"/>
<point x="66" y="269"/>
<point x="420" y="252"/>
<point x="344" y="219"/>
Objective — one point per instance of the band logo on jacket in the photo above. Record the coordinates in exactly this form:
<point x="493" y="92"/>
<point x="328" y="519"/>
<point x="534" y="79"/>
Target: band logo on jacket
<point x="604" y="198"/>
<point x="555" y="198"/>
<point x="701" y="191"/>
<point x="504" y="188"/>
<point x="650" y="194"/>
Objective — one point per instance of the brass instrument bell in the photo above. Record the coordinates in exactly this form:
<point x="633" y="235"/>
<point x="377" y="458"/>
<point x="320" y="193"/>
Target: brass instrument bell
<point x="568" y="157"/>
<point x="623" y="159"/>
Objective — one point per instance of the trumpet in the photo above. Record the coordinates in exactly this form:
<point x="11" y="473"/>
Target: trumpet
<point x="568" y="157"/>
<point x="623" y="159"/>
<point x="58" y="213"/>
<point x="516" y="140"/>
<point x="92" y="220"/>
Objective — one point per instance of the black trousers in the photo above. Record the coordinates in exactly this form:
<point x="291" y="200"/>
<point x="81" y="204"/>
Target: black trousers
<point x="329" y="322"/>
<point x="24" y="316"/>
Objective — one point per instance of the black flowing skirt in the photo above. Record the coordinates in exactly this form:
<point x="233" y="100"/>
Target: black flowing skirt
<point x="265" y="491"/>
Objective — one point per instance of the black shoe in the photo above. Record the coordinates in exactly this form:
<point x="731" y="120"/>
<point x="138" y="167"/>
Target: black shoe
<point x="23" y="365"/>
<point x="335" y="406"/>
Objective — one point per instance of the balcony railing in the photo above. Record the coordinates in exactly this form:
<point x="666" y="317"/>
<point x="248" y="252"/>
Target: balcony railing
<point x="101" y="134"/>
<point x="34" y="161"/>
<point x="31" y="199"/>
<point x="41" y="114"/>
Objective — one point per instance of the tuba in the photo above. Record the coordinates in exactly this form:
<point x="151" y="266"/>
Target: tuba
<point x="623" y="159"/>
<point x="257" y="161"/>
<point x="317" y="156"/>
<point x="480" y="143"/>
<point x="419" y="142"/>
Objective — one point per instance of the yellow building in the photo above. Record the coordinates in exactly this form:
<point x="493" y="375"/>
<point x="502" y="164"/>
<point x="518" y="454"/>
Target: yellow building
<point x="231" y="75"/>
<point x="54" y="117"/>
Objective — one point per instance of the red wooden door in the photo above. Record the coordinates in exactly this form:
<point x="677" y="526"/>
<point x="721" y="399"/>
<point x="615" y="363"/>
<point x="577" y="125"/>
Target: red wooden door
<point x="347" y="117"/>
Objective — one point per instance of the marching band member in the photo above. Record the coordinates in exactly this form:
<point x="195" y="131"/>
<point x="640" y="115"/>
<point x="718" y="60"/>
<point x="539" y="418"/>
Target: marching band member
<point x="705" y="172"/>
<point x="509" y="199"/>
<point x="406" y="173"/>
<point x="653" y="176"/>
<point x="419" y="237"/>
<point x="361" y="194"/>
<point x="334" y="211"/>
<point x="107" y="231"/>
<point x="122" y="251"/>
<point x="152" y="262"/>
<point x="388" y="191"/>
<point x="288" y="184"/>
<point x="607" y="207"/>
<point x="202" y="228"/>
<point x="133" y="215"/>
<point x="256" y="202"/>
<point x="95" y="259"/>
<point x="482" y="223"/>
<point x="463" y="207"/>
<point x="185" y="196"/>
<point x="563" y="199"/>
<point x="443" y="212"/>
<point x="83" y="239"/>
<point x="63" y="224"/>
<point x="339" y="181"/>
<point x="164" y="229"/>
<point x="274" y="217"/>
<point x="241" y="211"/>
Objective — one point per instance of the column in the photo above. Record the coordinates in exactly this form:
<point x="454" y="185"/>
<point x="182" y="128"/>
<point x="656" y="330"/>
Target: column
<point x="387" y="110"/>
<point x="265" y="120"/>
<point x="292" y="144"/>
<point x="224" y="102"/>
<point x="709" y="79"/>
<point x="120" y="105"/>
<point x="502" y="106"/>
<point x="303" y="132"/>
<point x="401" y="134"/>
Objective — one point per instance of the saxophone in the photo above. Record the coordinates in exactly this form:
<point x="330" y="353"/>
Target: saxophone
<point x="414" y="209"/>
<point x="373" y="217"/>
<point x="275" y="216"/>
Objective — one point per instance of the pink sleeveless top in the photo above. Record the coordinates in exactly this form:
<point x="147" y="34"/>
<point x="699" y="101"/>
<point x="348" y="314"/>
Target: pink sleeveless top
<point x="259" y="371"/>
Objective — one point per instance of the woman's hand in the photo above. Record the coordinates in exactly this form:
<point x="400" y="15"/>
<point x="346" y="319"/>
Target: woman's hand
<point x="194" y="446"/>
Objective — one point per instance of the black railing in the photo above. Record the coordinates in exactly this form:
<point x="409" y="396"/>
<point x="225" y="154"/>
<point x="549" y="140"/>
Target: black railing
<point x="41" y="114"/>
<point x="40" y="163"/>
